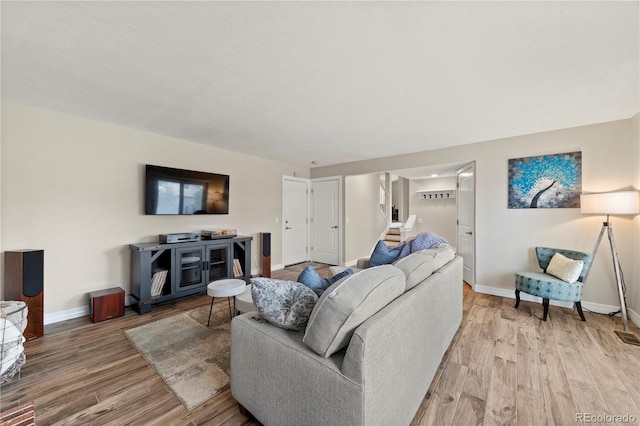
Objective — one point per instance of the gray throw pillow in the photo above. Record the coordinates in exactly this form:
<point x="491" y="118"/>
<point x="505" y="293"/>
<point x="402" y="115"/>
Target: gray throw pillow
<point x="286" y="304"/>
<point x="348" y="303"/>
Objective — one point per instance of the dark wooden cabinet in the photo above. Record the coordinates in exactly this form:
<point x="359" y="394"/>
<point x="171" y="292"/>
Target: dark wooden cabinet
<point x="106" y="304"/>
<point x="161" y="272"/>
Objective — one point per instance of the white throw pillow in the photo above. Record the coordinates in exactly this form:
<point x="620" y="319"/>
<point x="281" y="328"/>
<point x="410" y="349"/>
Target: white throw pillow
<point x="564" y="268"/>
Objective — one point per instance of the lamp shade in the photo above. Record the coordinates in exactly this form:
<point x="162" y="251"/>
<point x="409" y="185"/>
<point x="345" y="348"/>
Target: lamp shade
<point x="216" y="196"/>
<point x="619" y="203"/>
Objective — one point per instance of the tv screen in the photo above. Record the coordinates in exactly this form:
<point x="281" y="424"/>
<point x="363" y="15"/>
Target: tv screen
<point x="177" y="191"/>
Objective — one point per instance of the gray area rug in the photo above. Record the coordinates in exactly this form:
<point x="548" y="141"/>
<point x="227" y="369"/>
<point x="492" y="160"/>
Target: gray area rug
<point x="191" y="358"/>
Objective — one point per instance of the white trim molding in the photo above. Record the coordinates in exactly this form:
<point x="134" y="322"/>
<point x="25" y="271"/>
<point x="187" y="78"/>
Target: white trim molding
<point x="277" y="267"/>
<point x="74" y="313"/>
<point x="59" y="316"/>
<point x="598" y="308"/>
<point x="493" y="291"/>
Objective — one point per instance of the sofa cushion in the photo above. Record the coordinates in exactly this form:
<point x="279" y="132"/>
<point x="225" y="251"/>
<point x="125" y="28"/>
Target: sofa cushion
<point x="287" y="304"/>
<point x="420" y="265"/>
<point x="309" y="277"/>
<point x="564" y="268"/>
<point x="442" y="255"/>
<point x="416" y="267"/>
<point x="348" y="303"/>
<point x="383" y="254"/>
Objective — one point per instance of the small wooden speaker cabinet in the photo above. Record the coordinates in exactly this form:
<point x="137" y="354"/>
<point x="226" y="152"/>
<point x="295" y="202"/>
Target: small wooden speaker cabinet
<point x="106" y="304"/>
<point x="24" y="281"/>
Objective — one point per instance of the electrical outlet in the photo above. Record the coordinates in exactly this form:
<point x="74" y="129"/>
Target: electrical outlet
<point x="419" y="220"/>
<point x="277" y="220"/>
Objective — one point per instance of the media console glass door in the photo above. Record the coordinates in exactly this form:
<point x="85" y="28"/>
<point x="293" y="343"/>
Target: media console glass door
<point x="190" y="268"/>
<point x="219" y="265"/>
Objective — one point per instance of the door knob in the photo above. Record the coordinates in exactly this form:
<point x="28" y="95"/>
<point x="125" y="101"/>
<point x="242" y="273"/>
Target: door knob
<point x="287" y="227"/>
<point x="335" y="227"/>
<point x="468" y="233"/>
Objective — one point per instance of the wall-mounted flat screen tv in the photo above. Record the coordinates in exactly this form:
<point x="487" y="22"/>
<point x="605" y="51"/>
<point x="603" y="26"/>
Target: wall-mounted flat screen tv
<point x="177" y="191"/>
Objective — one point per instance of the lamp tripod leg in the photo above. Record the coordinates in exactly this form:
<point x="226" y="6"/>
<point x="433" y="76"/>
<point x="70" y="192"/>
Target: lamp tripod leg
<point x="605" y="226"/>
<point x="618" y="273"/>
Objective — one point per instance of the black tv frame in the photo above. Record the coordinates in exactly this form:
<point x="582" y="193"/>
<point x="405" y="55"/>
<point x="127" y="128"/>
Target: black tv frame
<point x="212" y="196"/>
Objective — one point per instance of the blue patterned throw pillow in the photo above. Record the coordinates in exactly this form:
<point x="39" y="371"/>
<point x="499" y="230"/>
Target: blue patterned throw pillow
<point x="315" y="282"/>
<point x="422" y="241"/>
<point x="384" y="255"/>
<point x="286" y="304"/>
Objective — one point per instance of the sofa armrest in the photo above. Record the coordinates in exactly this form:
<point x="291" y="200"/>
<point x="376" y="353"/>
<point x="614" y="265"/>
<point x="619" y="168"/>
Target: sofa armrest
<point x="396" y="352"/>
<point x="363" y="263"/>
<point x="281" y="381"/>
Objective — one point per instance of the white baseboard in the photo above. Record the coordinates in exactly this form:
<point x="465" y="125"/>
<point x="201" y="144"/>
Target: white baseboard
<point x="74" y="313"/>
<point x="633" y="316"/>
<point x="256" y="272"/>
<point x="82" y="311"/>
<point x="493" y="291"/>
<point x="589" y="306"/>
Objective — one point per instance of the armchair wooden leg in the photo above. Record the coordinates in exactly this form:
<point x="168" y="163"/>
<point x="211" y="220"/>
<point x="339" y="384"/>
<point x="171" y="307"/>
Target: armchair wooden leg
<point x="579" y="308"/>
<point x="545" y="305"/>
<point x="517" y="298"/>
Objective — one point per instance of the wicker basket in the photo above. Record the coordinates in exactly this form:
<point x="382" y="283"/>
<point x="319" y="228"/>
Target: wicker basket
<point x="13" y="321"/>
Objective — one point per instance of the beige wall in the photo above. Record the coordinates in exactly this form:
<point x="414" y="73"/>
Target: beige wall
<point x="634" y="285"/>
<point x="437" y="216"/>
<point x="363" y="219"/>
<point x="1" y="249"/>
<point x="505" y="237"/>
<point x="400" y="198"/>
<point x="74" y="187"/>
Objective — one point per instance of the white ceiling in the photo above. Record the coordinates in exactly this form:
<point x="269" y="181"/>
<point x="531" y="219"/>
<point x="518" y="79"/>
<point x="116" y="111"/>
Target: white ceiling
<point x="330" y="82"/>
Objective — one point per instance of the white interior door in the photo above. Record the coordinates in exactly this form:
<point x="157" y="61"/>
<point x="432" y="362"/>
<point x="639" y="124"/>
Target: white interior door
<point x="466" y="221"/>
<point x="295" y="214"/>
<point x="326" y="220"/>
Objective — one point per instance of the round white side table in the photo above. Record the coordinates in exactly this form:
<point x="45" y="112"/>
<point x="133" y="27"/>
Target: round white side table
<point x="244" y="301"/>
<point x="225" y="288"/>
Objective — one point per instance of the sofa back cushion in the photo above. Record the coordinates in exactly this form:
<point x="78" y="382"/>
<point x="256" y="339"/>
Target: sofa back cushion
<point x="416" y="267"/>
<point x="420" y="265"/>
<point x="442" y="255"/>
<point x="348" y="303"/>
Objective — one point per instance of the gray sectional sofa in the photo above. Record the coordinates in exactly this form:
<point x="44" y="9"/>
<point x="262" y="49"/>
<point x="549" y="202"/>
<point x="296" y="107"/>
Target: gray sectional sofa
<point x="368" y="355"/>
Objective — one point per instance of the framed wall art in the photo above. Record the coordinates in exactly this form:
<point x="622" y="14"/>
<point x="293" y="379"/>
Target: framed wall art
<point x="546" y="181"/>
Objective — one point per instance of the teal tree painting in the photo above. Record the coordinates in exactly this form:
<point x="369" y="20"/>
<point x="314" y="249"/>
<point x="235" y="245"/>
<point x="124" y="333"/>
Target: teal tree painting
<point x="546" y="181"/>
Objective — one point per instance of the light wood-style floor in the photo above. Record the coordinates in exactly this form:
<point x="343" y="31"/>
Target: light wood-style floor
<point x="505" y="366"/>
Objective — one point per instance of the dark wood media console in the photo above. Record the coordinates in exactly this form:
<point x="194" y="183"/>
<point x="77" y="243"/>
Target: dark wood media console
<point x="161" y="272"/>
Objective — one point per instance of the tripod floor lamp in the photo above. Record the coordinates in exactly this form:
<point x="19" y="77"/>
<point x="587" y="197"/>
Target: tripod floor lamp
<point x="614" y="203"/>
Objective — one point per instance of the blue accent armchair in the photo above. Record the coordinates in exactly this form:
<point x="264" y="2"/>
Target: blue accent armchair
<point x="547" y="286"/>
